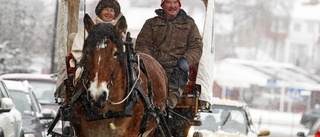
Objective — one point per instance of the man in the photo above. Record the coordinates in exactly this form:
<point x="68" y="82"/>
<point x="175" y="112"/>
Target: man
<point x="173" y="39"/>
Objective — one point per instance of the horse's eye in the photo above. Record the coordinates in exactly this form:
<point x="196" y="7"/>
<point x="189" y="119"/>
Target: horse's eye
<point x="115" y="54"/>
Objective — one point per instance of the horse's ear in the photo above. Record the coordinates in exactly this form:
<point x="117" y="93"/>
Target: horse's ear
<point x="121" y="27"/>
<point x="88" y="23"/>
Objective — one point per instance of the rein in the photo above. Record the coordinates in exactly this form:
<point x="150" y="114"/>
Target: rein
<point x="132" y="87"/>
<point x="134" y="91"/>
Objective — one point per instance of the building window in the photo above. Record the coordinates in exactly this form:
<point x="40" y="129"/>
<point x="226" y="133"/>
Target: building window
<point x="310" y="27"/>
<point x="278" y="26"/>
<point x="297" y="51"/>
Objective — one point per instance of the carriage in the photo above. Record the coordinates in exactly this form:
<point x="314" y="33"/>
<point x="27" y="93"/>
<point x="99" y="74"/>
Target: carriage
<point x="140" y="109"/>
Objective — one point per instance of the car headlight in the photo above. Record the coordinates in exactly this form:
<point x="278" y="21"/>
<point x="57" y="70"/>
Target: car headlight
<point x="190" y="132"/>
<point x="29" y="135"/>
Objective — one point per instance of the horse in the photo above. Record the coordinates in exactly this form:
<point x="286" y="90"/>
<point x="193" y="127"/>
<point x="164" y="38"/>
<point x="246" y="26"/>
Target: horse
<point x="120" y="92"/>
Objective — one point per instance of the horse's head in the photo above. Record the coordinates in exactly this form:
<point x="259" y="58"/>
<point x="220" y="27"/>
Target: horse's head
<point x="113" y="72"/>
<point x="102" y="58"/>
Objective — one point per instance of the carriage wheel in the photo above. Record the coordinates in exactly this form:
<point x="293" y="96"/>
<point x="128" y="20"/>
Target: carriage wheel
<point x="197" y="134"/>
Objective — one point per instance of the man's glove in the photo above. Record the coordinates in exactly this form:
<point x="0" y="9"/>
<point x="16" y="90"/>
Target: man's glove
<point x="183" y="65"/>
<point x="179" y="76"/>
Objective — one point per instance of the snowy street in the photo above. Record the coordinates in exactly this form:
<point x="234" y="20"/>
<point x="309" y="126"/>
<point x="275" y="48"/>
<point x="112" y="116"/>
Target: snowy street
<point x="280" y="124"/>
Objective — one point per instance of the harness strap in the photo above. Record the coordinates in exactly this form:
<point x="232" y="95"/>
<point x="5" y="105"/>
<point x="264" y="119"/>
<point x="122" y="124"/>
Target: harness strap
<point x="148" y="101"/>
<point x="63" y="109"/>
<point x="110" y="114"/>
<point x="138" y="91"/>
<point x="150" y="89"/>
<point x="133" y="97"/>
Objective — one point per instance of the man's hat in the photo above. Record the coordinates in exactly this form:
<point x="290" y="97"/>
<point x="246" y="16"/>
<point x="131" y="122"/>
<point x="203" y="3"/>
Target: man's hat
<point x="162" y="1"/>
<point x="108" y="4"/>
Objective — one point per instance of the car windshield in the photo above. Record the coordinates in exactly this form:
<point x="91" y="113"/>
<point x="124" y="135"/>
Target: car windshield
<point x="225" y="118"/>
<point x="4" y="92"/>
<point x="44" y="91"/>
<point x="22" y="102"/>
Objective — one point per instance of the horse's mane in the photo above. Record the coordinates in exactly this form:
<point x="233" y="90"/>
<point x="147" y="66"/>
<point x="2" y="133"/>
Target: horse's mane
<point x="101" y="32"/>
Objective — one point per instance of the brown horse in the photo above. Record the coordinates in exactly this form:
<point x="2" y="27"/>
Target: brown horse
<point x="120" y="93"/>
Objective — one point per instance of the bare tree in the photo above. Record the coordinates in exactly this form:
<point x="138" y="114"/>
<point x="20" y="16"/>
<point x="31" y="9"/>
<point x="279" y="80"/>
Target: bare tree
<point x="27" y="27"/>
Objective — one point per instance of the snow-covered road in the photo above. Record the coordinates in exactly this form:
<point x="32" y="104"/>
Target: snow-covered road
<point x="280" y="124"/>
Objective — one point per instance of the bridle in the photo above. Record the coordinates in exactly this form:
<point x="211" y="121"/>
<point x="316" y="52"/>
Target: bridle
<point x="85" y="82"/>
<point x="134" y="88"/>
<point x="132" y="96"/>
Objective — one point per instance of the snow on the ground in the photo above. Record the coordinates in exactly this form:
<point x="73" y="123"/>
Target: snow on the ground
<point x="275" y="117"/>
<point x="278" y="123"/>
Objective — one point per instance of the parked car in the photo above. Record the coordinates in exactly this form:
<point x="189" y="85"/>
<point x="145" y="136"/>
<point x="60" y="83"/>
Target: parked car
<point x="226" y="118"/>
<point x="44" y="86"/>
<point x="10" y="117"/>
<point x="309" y="118"/>
<point x="34" y="118"/>
<point x="314" y="130"/>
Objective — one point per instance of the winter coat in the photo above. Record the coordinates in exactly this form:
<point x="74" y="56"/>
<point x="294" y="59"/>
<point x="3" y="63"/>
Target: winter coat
<point x="76" y="51"/>
<point x="77" y="44"/>
<point x="169" y="40"/>
<point x="78" y="41"/>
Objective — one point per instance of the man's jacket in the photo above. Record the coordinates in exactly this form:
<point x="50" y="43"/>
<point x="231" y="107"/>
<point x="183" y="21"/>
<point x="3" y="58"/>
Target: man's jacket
<point x="169" y="40"/>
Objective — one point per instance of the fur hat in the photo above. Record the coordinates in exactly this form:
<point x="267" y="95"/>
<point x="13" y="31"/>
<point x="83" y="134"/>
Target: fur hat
<point x="162" y="1"/>
<point x="108" y="4"/>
